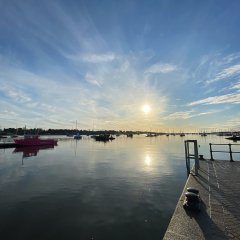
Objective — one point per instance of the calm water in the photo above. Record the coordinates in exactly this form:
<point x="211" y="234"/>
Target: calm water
<point x="125" y="189"/>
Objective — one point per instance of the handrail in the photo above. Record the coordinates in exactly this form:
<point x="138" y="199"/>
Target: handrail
<point x="225" y="143"/>
<point x="222" y="144"/>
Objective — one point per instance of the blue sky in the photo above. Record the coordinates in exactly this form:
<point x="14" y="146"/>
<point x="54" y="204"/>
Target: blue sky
<point x="99" y="62"/>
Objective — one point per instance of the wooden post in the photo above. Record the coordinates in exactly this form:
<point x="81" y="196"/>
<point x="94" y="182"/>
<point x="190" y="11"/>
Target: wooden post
<point x="211" y="154"/>
<point x="230" y="152"/>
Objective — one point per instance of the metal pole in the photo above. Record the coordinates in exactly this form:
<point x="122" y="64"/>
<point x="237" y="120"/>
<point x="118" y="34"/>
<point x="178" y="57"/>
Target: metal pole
<point x="196" y="157"/>
<point x="230" y="152"/>
<point x="211" y="153"/>
<point x="186" y="156"/>
<point x="185" y="144"/>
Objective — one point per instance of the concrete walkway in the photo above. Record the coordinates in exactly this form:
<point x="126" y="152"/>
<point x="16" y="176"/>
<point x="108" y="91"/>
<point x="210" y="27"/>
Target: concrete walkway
<point x="219" y="218"/>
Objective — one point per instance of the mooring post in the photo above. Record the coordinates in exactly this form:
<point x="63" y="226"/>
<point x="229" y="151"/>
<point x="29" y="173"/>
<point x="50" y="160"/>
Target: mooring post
<point x="211" y="154"/>
<point x="230" y="152"/>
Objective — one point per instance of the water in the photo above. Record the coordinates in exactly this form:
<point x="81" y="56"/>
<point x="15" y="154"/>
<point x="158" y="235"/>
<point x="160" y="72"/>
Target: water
<point x="125" y="189"/>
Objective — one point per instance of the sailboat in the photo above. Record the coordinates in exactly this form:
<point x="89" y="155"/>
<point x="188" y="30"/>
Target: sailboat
<point x="77" y="136"/>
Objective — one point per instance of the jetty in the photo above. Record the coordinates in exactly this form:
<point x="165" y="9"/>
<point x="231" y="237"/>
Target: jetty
<point x="218" y="182"/>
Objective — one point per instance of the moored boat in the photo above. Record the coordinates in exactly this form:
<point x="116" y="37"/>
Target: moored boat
<point x="151" y="135"/>
<point x="69" y="135"/>
<point x="234" y="138"/>
<point x="34" y="140"/>
<point x="77" y="136"/>
<point x="111" y="138"/>
<point x="129" y="135"/>
<point x="104" y="137"/>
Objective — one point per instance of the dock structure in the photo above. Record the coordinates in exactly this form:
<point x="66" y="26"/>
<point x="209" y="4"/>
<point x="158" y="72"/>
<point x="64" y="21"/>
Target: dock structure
<point x="218" y="183"/>
<point x="8" y="145"/>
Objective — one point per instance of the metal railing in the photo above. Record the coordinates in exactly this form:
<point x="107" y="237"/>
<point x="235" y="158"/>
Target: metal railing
<point x="229" y="151"/>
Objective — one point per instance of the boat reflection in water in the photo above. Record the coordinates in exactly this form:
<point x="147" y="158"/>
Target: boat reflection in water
<point x="31" y="151"/>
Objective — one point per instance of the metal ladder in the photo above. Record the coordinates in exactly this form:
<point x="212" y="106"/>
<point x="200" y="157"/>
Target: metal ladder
<point x="190" y="156"/>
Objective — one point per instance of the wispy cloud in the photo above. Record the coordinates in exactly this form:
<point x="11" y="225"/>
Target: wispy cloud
<point x="233" y="98"/>
<point x="236" y="86"/>
<point x="15" y="94"/>
<point x="179" y="115"/>
<point x="230" y="58"/>
<point x="93" y="79"/>
<point x="93" y="57"/>
<point x="62" y="62"/>
<point x="161" y="68"/>
<point x="6" y="113"/>
<point x="226" y="73"/>
<point x="111" y="95"/>
<point x="98" y="58"/>
<point x="233" y="123"/>
<point x="187" y="114"/>
<point x="218" y="68"/>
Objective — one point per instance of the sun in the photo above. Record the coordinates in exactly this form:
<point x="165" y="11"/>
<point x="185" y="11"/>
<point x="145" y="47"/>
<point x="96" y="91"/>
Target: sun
<point x="146" y="108"/>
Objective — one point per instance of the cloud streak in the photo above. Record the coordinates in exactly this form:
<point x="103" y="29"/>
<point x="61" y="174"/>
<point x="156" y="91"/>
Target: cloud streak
<point x="236" y="86"/>
<point x="226" y="73"/>
<point x="232" y="98"/>
<point x="161" y="68"/>
<point x="93" y="57"/>
<point x="188" y="114"/>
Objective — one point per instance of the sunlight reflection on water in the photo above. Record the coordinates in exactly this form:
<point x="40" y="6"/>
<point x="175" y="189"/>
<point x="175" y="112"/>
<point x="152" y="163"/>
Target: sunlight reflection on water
<point x="124" y="189"/>
<point x="148" y="160"/>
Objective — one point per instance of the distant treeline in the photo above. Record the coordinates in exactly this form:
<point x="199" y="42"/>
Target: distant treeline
<point x="22" y="131"/>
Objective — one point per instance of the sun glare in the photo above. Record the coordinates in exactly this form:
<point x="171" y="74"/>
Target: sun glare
<point x="146" y="108"/>
<point x="148" y="160"/>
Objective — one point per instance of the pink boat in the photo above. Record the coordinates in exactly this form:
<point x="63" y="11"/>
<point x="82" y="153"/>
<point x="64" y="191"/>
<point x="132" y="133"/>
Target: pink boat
<point x="34" y="140"/>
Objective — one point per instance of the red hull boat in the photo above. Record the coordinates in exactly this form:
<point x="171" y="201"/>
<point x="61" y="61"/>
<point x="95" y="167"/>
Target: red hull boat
<point x="34" y="140"/>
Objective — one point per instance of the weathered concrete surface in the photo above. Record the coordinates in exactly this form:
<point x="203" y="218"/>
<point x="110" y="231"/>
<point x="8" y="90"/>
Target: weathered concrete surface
<point x="219" y="218"/>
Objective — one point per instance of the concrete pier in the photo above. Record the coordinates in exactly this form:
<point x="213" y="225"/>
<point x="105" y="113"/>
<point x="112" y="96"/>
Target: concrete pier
<point x="219" y="218"/>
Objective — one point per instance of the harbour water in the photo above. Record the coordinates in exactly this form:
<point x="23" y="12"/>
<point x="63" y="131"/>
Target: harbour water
<point x="82" y="189"/>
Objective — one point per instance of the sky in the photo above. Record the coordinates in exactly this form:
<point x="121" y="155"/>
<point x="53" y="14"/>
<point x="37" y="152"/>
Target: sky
<point x="100" y="62"/>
